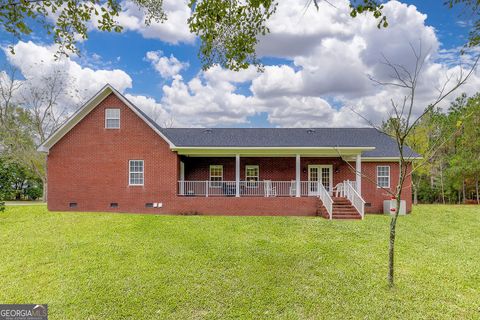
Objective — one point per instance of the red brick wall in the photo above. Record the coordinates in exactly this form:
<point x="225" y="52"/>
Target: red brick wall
<point x="89" y="166"/>
<point x="374" y="195"/>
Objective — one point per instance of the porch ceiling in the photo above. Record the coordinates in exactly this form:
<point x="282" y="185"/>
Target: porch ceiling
<point x="272" y="152"/>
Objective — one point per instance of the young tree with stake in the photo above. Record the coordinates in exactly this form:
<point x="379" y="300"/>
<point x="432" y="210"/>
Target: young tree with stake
<point x="403" y="120"/>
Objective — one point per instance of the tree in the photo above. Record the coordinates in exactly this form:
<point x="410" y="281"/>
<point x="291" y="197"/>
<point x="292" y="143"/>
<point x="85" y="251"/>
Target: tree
<point x="228" y="30"/>
<point x="18" y="182"/>
<point x="31" y="117"/>
<point x="464" y="156"/>
<point x="403" y="121"/>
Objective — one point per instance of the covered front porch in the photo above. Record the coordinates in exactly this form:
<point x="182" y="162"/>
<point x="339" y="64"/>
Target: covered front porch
<point x="326" y="175"/>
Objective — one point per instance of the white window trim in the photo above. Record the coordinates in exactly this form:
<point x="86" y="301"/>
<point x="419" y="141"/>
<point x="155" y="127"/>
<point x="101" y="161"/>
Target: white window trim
<point x="389" y="174"/>
<point x="210" y="176"/>
<point x="107" y="118"/>
<point x="252" y="184"/>
<point x="130" y="173"/>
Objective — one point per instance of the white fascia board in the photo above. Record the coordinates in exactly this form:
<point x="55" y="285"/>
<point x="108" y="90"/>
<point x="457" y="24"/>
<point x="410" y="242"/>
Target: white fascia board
<point x="388" y="159"/>
<point x="272" y="151"/>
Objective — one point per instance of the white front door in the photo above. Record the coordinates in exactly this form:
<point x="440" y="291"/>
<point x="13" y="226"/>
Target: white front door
<point x="319" y="173"/>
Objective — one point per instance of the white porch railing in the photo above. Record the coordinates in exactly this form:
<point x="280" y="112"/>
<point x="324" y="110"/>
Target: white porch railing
<point x="326" y="199"/>
<point x="352" y="195"/>
<point x="265" y="188"/>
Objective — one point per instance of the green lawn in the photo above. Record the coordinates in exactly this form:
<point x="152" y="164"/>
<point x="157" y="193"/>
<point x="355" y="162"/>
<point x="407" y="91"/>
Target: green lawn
<point x="120" y="266"/>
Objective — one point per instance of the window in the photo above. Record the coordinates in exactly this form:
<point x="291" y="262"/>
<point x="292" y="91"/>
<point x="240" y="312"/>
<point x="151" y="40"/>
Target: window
<point x="383" y="176"/>
<point x="216" y="176"/>
<point x="136" y="173"/>
<point x="251" y="176"/>
<point x="112" y="118"/>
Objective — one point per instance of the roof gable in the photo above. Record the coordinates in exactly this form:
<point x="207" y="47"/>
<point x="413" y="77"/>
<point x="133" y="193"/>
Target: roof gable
<point x="82" y="112"/>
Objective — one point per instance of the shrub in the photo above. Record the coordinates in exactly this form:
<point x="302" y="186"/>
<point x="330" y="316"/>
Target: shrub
<point x="33" y="192"/>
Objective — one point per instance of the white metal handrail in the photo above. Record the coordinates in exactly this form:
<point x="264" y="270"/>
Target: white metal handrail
<point x="326" y="199"/>
<point x="354" y="197"/>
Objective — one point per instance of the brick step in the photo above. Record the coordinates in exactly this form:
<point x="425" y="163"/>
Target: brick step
<point x="335" y="199"/>
<point x="345" y="213"/>
<point x="344" y="208"/>
<point x="345" y="217"/>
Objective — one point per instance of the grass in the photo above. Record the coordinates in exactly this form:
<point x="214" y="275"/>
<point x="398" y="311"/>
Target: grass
<point x="119" y="266"/>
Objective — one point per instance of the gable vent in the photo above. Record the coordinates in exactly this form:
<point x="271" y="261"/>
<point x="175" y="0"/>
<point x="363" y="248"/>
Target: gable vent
<point x="310" y="130"/>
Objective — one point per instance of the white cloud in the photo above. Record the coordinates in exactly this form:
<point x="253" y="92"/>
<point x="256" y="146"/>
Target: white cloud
<point x="174" y="30"/>
<point x="331" y="57"/>
<point x="166" y="66"/>
<point x="35" y="61"/>
<point x="152" y="108"/>
<point x="209" y="99"/>
<point x="328" y="57"/>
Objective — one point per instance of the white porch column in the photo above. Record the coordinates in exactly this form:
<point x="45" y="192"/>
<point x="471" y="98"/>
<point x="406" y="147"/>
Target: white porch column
<point x="297" y="176"/>
<point x="237" y="175"/>
<point x="358" y="174"/>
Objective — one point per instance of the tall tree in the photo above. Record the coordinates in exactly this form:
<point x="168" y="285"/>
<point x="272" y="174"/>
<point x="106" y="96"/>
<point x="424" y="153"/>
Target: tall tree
<point x="30" y="116"/>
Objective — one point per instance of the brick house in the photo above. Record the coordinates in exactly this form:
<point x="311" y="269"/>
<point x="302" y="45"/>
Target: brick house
<point x="110" y="156"/>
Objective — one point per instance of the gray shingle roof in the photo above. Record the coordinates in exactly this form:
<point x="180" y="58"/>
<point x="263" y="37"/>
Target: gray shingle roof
<point x="287" y="137"/>
<point x="384" y="145"/>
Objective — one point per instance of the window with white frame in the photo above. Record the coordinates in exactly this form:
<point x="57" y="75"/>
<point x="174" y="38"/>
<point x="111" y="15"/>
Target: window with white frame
<point x="135" y="174"/>
<point x="216" y="176"/>
<point x="252" y="174"/>
<point x="383" y="176"/>
<point x="112" y="118"/>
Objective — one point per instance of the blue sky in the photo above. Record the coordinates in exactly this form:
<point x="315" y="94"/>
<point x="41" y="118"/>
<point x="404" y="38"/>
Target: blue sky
<point x="261" y="100"/>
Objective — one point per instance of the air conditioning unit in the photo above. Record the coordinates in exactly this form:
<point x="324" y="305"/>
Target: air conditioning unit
<point x="389" y="204"/>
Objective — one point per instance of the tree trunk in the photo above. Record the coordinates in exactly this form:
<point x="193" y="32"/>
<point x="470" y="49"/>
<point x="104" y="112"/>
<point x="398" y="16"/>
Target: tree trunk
<point x="44" y="193"/>
<point x="464" y="196"/>
<point x="45" y="182"/>
<point x="391" y="250"/>
<point x="441" y="183"/>
<point x="415" y="194"/>
<point x="476" y="190"/>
